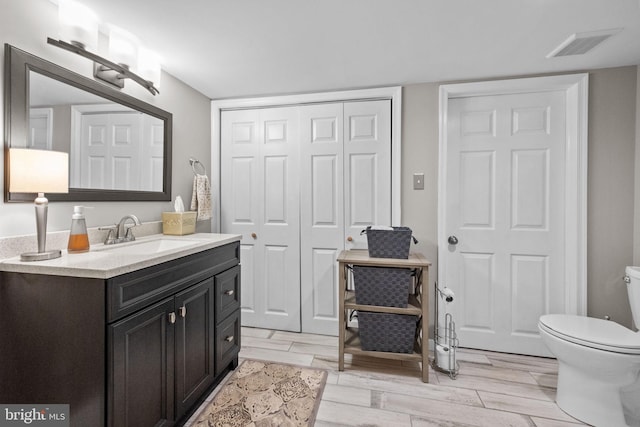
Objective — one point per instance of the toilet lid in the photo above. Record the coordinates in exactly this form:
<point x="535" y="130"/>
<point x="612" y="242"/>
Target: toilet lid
<point x="597" y="333"/>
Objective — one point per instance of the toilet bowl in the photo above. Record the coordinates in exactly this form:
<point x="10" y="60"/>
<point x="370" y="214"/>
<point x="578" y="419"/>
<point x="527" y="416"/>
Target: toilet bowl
<point x="598" y="363"/>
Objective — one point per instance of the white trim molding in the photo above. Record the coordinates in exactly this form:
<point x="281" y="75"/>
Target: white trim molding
<point x="576" y="88"/>
<point x="393" y="93"/>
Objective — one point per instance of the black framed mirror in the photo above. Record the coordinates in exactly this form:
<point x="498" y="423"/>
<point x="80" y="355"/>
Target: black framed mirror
<point x="119" y="146"/>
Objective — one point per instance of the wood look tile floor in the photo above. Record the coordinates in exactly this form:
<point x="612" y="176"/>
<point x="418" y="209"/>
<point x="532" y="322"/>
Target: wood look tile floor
<point x="491" y="389"/>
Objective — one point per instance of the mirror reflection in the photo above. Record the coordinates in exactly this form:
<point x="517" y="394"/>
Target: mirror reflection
<point x="110" y="146"/>
<point x="119" y="146"/>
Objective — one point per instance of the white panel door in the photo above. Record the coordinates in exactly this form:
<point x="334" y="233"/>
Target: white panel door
<point x="40" y="128"/>
<point x="109" y="149"/>
<point x="260" y="201"/>
<point x="240" y="201"/>
<point x="152" y="154"/>
<point x="367" y="167"/>
<point x="505" y="188"/>
<point x="345" y="186"/>
<point x="321" y="214"/>
<point x="125" y="150"/>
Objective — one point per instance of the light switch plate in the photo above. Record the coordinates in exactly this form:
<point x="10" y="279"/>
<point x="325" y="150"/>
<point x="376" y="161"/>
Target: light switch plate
<point x="418" y="181"/>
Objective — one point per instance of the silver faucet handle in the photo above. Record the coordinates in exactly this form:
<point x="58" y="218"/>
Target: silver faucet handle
<point x="110" y="239"/>
<point x="128" y="236"/>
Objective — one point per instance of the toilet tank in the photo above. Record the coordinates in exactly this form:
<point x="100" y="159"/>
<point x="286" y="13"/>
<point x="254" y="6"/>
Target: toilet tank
<point x="633" y="289"/>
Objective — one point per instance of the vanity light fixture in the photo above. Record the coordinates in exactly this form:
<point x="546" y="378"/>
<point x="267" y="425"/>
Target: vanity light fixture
<point x="108" y="71"/>
<point x="79" y="25"/>
<point x="39" y="171"/>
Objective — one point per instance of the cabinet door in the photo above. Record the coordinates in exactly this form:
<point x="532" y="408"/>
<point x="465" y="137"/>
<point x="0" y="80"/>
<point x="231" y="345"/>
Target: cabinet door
<point x="141" y="368"/>
<point x="194" y="344"/>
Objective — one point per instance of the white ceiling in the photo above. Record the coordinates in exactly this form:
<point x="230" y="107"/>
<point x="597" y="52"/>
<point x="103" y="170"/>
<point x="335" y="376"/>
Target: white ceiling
<point x="237" y="48"/>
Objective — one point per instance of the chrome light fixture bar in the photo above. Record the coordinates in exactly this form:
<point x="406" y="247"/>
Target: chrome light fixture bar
<point x="104" y="69"/>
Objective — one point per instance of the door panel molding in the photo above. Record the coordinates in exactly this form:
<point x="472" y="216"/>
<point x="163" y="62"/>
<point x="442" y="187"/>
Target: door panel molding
<point x="394" y="93"/>
<point x="575" y="88"/>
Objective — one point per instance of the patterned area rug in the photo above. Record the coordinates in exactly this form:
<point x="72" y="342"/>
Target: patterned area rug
<point x="264" y="394"/>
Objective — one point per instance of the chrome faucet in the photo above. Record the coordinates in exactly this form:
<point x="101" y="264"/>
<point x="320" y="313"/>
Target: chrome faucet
<point x="121" y="234"/>
<point x="128" y="235"/>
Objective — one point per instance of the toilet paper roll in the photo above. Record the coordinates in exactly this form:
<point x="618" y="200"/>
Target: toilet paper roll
<point x="443" y="357"/>
<point x="447" y="294"/>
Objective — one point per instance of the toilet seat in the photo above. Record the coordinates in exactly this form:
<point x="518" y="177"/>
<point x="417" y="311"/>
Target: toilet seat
<point x="591" y="332"/>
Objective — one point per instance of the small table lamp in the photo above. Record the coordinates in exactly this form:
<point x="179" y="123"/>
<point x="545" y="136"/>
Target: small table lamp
<point x="39" y="171"/>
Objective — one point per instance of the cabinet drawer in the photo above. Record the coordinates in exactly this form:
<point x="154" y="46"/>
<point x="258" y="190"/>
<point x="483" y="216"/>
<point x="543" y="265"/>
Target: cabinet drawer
<point x="132" y="291"/>
<point x="227" y="293"/>
<point x="227" y="341"/>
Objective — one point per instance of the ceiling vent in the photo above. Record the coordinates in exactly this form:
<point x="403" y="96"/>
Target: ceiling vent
<point x="581" y="43"/>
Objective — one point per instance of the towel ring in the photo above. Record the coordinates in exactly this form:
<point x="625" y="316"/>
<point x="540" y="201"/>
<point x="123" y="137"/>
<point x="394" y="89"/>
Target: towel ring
<point x="194" y="164"/>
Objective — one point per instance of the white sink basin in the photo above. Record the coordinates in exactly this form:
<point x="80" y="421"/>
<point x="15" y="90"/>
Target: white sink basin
<point x="149" y="247"/>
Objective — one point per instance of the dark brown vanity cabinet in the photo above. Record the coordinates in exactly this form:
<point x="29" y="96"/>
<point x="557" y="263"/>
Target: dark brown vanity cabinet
<point x="139" y="349"/>
<point x="168" y="344"/>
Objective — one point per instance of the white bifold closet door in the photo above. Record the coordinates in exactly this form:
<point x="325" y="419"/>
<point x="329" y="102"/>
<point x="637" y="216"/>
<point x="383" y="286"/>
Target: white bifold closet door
<point x="259" y="194"/>
<point x="109" y="150"/>
<point x="346" y="186"/>
<point x="305" y="181"/>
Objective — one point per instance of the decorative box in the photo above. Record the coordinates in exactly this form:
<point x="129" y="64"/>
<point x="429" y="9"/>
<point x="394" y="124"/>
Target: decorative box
<point x="178" y="223"/>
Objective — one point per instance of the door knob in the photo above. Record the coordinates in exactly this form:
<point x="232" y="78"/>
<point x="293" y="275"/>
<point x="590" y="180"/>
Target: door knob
<point x="254" y="236"/>
<point x="349" y="239"/>
<point x="453" y="240"/>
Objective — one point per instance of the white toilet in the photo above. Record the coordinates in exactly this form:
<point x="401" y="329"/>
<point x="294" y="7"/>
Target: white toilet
<point x="598" y="363"/>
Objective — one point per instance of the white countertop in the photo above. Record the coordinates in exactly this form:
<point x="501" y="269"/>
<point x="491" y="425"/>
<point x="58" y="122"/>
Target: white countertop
<point x="105" y="261"/>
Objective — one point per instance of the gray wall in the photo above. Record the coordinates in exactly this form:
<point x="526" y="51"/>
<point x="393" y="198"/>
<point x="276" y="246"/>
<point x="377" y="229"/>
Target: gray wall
<point x="26" y="24"/>
<point x="636" y="234"/>
<point x="612" y="153"/>
<point x="612" y="104"/>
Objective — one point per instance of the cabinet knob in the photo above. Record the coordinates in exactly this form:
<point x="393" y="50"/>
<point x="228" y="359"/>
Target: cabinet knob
<point x="172" y="317"/>
<point x="349" y="239"/>
<point x="254" y="236"/>
<point x="183" y="311"/>
<point x="229" y="292"/>
<point x="229" y="338"/>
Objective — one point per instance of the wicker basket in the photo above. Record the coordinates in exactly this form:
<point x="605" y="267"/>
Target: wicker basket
<point x="387" y="332"/>
<point x="389" y="243"/>
<point x="382" y="286"/>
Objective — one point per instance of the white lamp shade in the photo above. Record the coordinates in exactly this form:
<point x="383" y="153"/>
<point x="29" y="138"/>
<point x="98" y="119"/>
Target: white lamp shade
<point x="123" y="47"/>
<point x="78" y="24"/>
<point x="38" y="171"/>
<point x="149" y="66"/>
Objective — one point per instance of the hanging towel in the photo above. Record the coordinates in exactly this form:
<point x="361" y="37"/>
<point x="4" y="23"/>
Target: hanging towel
<point x="201" y="197"/>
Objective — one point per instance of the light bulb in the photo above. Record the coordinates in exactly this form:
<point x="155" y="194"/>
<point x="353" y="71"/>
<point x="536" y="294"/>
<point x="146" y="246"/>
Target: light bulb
<point x="78" y="24"/>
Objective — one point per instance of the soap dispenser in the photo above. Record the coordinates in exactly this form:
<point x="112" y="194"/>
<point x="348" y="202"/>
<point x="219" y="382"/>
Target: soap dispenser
<point x="78" y="238"/>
